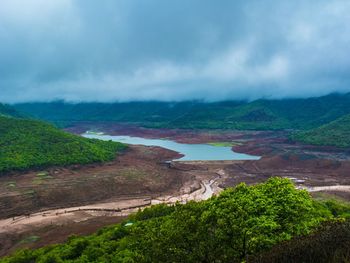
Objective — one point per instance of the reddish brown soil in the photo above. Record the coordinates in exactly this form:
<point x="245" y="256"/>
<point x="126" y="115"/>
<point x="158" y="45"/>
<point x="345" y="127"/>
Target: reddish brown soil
<point x="315" y="172"/>
<point x="280" y="157"/>
<point x="52" y="234"/>
<point x="141" y="171"/>
<point x="138" y="171"/>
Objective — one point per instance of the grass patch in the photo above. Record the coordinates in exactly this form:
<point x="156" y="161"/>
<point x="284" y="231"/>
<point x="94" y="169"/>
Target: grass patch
<point x="339" y="207"/>
<point x="30" y="192"/>
<point x="29" y="239"/>
<point x="11" y="185"/>
<point x="44" y="175"/>
<point x="41" y="176"/>
<point x="224" y="144"/>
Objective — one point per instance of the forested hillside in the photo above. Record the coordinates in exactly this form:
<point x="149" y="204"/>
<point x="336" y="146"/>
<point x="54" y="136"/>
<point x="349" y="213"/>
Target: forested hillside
<point x="6" y="110"/>
<point x="29" y="144"/>
<point x="335" y="133"/>
<point x="241" y="222"/>
<point x="330" y="243"/>
<point x="256" y="115"/>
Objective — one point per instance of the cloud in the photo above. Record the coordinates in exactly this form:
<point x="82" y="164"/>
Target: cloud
<point x="172" y="50"/>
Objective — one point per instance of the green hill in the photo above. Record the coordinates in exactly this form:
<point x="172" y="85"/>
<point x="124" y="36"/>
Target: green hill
<point x="255" y="115"/>
<point x="6" y="110"/>
<point x="240" y="222"/>
<point x="329" y="244"/>
<point x="335" y="133"/>
<point x="27" y="144"/>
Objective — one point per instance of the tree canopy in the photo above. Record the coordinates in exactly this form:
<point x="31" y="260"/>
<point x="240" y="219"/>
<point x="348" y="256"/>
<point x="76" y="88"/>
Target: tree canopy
<point x="335" y="133"/>
<point x="242" y="221"/>
<point x="27" y="144"/>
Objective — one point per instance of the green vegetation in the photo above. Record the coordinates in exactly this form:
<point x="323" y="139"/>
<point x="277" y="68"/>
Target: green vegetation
<point x="257" y="115"/>
<point x="8" y="111"/>
<point x="223" y="144"/>
<point x="30" y="239"/>
<point x="335" y="133"/>
<point x="11" y="185"/>
<point x="329" y="244"/>
<point x="27" y="144"/>
<point x="322" y="121"/>
<point x="241" y="223"/>
<point x="41" y="177"/>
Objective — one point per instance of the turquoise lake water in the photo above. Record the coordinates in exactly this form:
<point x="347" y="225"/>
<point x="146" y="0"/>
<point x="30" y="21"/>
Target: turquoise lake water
<point x="191" y="152"/>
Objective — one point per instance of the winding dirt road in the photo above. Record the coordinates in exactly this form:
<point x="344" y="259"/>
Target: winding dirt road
<point x="113" y="208"/>
<point x="341" y="188"/>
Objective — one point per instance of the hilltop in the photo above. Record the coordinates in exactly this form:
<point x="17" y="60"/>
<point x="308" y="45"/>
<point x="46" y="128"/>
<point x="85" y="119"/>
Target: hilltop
<point x="31" y="144"/>
<point x="6" y="110"/>
<point x="335" y="133"/>
<point x="256" y="115"/>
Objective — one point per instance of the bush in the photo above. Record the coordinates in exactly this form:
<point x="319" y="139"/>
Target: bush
<point x="240" y="222"/>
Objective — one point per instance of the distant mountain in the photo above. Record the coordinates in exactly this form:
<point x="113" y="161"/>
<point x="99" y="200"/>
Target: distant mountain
<point x="335" y="133"/>
<point x="27" y="144"/>
<point x="6" y="110"/>
<point x="256" y="115"/>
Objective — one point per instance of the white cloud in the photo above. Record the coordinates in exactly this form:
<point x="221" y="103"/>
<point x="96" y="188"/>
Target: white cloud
<point x="124" y="50"/>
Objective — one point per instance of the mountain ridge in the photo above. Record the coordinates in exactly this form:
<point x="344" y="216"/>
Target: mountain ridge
<point x="335" y="133"/>
<point x="261" y="114"/>
<point x="32" y="144"/>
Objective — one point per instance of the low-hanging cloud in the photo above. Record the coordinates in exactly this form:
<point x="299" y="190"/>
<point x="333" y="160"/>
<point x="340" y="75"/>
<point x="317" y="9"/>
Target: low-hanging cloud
<point x="122" y="50"/>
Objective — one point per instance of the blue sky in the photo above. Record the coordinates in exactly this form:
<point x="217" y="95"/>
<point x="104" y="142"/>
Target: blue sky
<point x="122" y="50"/>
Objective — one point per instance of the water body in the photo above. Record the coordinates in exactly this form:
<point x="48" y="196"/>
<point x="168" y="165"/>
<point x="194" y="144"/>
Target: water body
<point x="191" y="152"/>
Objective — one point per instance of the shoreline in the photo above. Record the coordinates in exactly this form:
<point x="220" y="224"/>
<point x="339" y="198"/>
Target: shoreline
<point x="97" y="195"/>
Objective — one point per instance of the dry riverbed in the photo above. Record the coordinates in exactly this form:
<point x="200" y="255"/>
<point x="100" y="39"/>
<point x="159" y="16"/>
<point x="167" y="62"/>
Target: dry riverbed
<point x="45" y="207"/>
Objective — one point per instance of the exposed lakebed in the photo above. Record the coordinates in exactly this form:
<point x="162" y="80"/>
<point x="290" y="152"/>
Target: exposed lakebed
<point x="191" y="152"/>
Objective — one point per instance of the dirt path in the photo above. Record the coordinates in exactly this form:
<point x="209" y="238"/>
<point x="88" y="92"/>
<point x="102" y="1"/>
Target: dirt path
<point x="340" y="188"/>
<point x="78" y="197"/>
<point x="124" y="207"/>
<point x="114" y="208"/>
<point x="205" y="191"/>
<point x="75" y="214"/>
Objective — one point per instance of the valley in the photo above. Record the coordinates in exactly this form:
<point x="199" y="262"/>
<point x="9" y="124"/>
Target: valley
<point x="174" y="131"/>
<point x="82" y="198"/>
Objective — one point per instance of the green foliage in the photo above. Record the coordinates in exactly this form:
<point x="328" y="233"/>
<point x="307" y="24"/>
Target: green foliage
<point x="256" y="115"/>
<point x="27" y="144"/>
<point x="336" y="133"/>
<point x="338" y="208"/>
<point x="242" y="221"/>
<point x="6" y="110"/>
<point x="30" y="239"/>
<point x="223" y="144"/>
<point x="329" y="244"/>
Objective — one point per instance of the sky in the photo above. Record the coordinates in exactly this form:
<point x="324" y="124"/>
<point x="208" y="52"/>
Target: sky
<point x="172" y="50"/>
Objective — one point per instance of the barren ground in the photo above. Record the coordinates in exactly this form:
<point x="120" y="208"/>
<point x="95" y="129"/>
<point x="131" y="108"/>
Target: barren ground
<point x="45" y="207"/>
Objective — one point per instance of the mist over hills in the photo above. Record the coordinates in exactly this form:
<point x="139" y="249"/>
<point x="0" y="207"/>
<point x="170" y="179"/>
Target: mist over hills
<point x="32" y="144"/>
<point x="269" y="79"/>
<point x="6" y="110"/>
<point x="181" y="50"/>
<point x="255" y="115"/>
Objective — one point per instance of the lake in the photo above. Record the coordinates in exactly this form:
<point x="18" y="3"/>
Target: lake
<point x="191" y="152"/>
